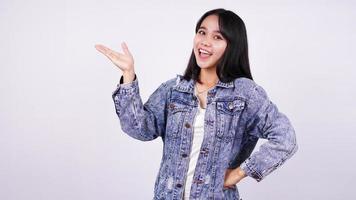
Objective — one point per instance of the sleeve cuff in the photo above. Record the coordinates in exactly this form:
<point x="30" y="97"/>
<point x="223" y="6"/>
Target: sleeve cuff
<point x="122" y="80"/>
<point x="126" y="88"/>
<point x="249" y="171"/>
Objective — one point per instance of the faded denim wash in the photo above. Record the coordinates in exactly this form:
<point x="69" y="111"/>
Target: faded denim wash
<point x="238" y="113"/>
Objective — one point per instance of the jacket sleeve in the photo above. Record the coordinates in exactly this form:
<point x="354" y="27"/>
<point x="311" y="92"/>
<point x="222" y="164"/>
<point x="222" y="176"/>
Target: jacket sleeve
<point x="141" y="121"/>
<point x="268" y="123"/>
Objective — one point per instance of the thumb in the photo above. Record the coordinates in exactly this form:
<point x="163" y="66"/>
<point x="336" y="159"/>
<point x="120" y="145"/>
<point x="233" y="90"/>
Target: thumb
<point x="125" y="48"/>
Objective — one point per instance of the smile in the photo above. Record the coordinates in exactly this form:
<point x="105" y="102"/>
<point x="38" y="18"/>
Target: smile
<point x="204" y="53"/>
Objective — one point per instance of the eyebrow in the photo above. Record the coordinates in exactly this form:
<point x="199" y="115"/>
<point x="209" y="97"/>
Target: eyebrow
<point x="216" y="31"/>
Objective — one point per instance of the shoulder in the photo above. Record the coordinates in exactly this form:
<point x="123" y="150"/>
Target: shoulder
<point x="167" y="85"/>
<point x="172" y="81"/>
<point x="249" y="89"/>
<point x="244" y="83"/>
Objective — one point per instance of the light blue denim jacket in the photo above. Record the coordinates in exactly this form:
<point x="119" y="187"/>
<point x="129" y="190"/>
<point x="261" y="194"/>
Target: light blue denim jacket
<point x="238" y="113"/>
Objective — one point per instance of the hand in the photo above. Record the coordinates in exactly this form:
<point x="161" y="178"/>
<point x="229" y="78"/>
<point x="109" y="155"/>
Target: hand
<point x="233" y="176"/>
<point x="125" y="61"/>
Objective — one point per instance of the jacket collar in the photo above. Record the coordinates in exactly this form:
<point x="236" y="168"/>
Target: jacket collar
<point x="188" y="86"/>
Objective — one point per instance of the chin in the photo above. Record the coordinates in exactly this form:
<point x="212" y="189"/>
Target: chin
<point x="204" y="66"/>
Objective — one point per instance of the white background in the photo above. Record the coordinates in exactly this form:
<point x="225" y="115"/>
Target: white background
<point x="59" y="134"/>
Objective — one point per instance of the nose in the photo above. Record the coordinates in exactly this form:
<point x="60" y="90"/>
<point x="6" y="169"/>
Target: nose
<point x="205" y="43"/>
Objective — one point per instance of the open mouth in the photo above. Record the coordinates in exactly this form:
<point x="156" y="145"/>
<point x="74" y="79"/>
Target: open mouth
<point x="204" y="53"/>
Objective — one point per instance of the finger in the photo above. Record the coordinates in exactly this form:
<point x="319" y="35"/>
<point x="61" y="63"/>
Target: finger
<point x="125" y="49"/>
<point x="108" y="52"/>
<point x="101" y="48"/>
<point x="119" y="63"/>
<point x="104" y="50"/>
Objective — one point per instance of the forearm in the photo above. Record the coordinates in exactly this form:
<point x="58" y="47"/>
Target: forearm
<point x="127" y="102"/>
<point x="141" y="121"/>
<point x="274" y="126"/>
<point x="281" y="145"/>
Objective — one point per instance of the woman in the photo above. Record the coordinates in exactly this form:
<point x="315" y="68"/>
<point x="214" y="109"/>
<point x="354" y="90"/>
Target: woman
<point x="209" y="119"/>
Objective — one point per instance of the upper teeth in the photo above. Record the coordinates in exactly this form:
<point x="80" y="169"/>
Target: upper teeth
<point x="203" y="51"/>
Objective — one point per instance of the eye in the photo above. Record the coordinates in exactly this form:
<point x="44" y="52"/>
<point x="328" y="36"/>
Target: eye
<point x="218" y="37"/>
<point x="201" y="32"/>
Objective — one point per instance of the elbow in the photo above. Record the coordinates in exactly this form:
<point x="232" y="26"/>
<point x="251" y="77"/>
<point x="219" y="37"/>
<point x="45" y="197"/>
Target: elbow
<point x="295" y="147"/>
<point x="137" y="134"/>
<point x="142" y="137"/>
<point x="292" y="145"/>
<point x="286" y="142"/>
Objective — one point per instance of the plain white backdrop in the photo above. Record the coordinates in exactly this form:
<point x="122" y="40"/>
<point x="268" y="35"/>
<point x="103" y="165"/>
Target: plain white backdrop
<point x="59" y="134"/>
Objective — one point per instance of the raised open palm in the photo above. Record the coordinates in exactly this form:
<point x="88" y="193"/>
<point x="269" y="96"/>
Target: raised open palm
<point x="124" y="61"/>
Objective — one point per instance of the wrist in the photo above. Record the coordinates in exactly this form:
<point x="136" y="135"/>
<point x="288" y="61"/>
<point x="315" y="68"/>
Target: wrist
<point x="241" y="172"/>
<point x="128" y="76"/>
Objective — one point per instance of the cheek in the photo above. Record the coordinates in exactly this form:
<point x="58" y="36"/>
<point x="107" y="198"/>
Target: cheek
<point x="221" y="50"/>
<point x="196" y="40"/>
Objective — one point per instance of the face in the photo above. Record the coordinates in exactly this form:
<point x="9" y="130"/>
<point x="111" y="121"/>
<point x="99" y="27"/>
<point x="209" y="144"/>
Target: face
<point x="209" y="44"/>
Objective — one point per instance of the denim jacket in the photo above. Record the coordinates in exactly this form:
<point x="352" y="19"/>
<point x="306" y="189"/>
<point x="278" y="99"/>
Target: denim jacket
<point x="238" y="113"/>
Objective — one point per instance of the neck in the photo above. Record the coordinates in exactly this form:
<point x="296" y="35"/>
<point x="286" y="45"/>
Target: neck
<point x="208" y="77"/>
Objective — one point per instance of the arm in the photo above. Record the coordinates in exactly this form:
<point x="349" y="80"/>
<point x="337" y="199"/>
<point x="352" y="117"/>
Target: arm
<point x="268" y="123"/>
<point x="141" y="121"/>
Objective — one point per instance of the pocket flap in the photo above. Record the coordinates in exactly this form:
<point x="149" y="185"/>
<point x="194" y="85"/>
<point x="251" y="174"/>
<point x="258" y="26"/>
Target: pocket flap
<point x="230" y="107"/>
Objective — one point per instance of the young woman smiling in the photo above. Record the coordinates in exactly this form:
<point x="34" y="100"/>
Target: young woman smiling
<point x="209" y="119"/>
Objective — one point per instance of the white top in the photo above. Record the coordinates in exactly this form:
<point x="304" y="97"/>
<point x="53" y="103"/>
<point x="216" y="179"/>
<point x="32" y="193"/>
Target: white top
<point x="198" y="135"/>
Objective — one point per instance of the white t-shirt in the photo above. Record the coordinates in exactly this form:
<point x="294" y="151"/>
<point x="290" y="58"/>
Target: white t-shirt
<point x="198" y="135"/>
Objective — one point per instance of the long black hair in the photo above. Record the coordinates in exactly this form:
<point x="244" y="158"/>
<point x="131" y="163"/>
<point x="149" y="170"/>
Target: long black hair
<point x="234" y="63"/>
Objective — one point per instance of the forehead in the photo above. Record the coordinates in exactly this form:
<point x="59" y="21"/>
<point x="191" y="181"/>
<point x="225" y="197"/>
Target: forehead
<point x="210" y="23"/>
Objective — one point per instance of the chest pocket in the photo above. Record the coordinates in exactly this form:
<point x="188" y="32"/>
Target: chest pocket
<point x="177" y="112"/>
<point x="230" y="107"/>
<point x="228" y="112"/>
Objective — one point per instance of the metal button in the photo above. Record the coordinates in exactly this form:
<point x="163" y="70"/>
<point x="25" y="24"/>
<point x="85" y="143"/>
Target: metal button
<point x="231" y="105"/>
<point x="171" y="105"/>
<point x="187" y="125"/>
